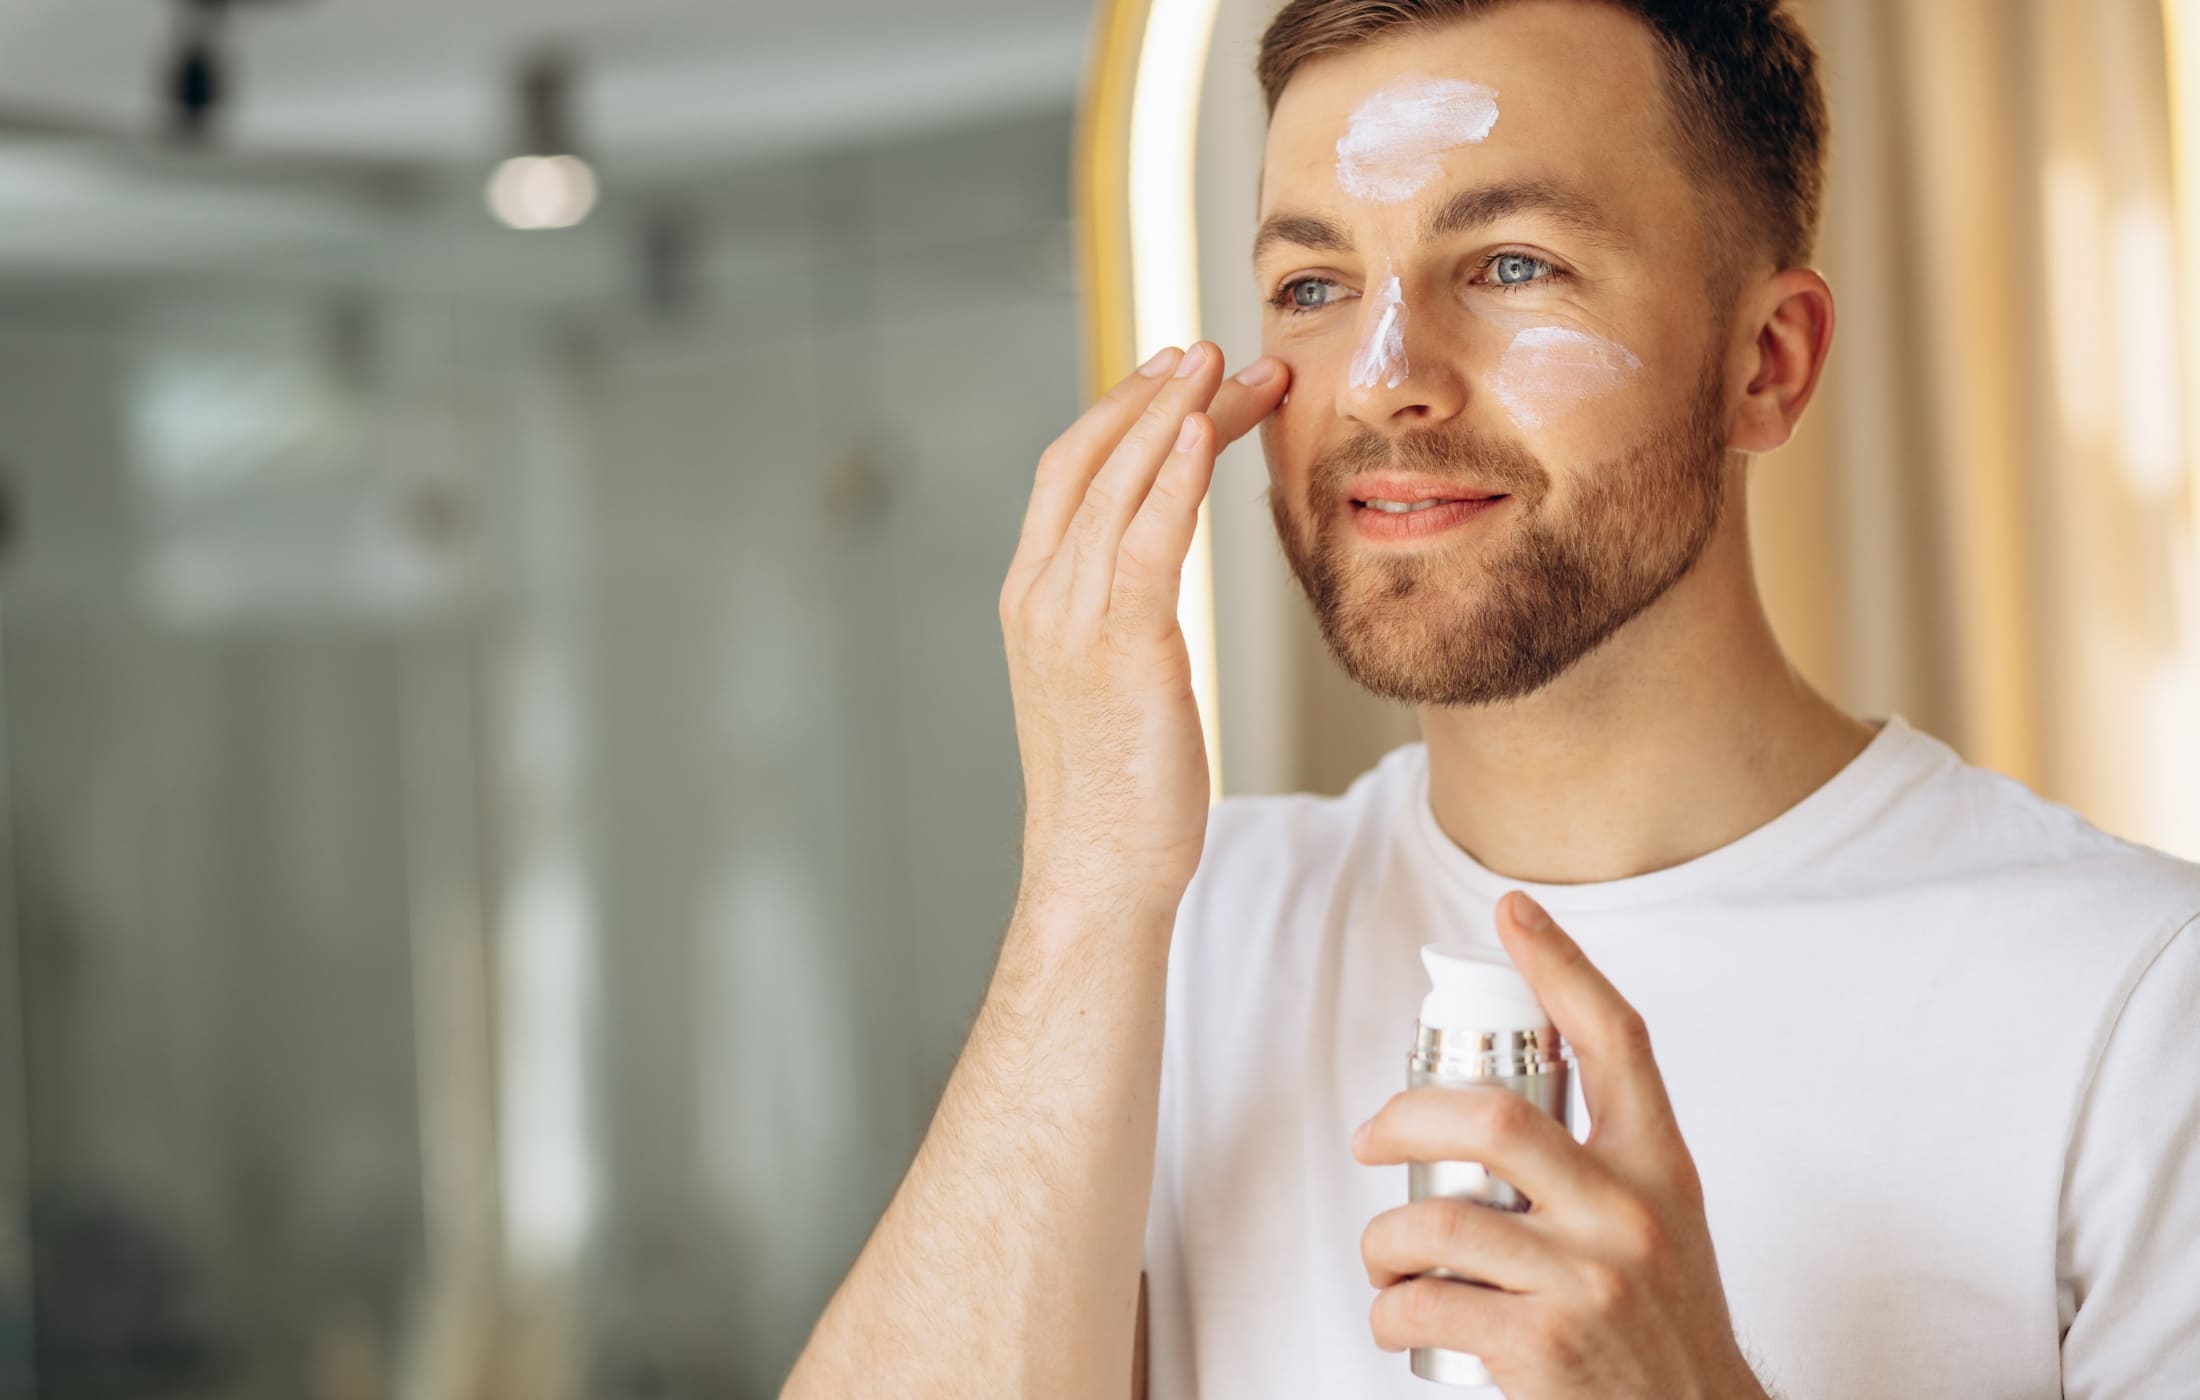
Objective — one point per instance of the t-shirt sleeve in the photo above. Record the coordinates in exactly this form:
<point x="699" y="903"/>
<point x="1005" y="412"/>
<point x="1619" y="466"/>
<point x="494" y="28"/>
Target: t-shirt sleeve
<point x="2128" y="1277"/>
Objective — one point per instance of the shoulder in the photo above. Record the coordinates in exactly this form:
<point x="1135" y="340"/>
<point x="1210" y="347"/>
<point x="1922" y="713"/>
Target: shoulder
<point x="1952" y="820"/>
<point x="1265" y="852"/>
<point x="1276" y="873"/>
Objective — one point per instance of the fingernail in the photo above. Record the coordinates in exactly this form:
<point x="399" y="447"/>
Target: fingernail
<point x="1529" y="914"/>
<point x="1359" y="1137"/>
<point x="1159" y="364"/>
<point x="1259" y="371"/>
<point x="1193" y="359"/>
<point x="1187" y="434"/>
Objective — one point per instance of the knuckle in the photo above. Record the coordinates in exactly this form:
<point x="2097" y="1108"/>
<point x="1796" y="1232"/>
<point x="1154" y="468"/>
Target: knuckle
<point x="1503" y="1115"/>
<point x="1555" y="1342"/>
<point x="1159" y="419"/>
<point x="1054" y="459"/>
<point x="1167" y="493"/>
<point x="1633" y="1033"/>
<point x="1136" y="561"/>
<point x="1455" y="1224"/>
<point x="1027" y="630"/>
<point x="1420" y="1304"/>
<point x="1689" y="1183"/>
<point x="1605" y="1286"/>
<point x="1639" y="1232"/>
<point x="1102" y="498"/>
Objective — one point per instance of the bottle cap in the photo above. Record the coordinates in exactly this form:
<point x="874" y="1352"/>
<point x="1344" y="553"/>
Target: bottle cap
<point x="1477" y="989"/>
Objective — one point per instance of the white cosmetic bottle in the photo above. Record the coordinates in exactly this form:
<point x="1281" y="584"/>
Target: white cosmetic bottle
<point x="1480" y="1024"/>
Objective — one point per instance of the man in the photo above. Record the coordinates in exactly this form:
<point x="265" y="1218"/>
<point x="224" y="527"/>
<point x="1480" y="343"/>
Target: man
<point x="1888" y="1064"/>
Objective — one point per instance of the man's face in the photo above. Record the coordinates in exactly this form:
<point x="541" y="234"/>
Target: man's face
<point x="1499" y="275"/>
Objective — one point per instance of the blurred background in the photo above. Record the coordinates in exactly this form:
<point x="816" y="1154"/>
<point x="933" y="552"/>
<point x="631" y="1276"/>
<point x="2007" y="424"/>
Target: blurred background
<point x="508" y="795"/>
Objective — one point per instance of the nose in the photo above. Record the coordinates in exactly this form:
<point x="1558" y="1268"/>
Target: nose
<point x="1400" y="374"/>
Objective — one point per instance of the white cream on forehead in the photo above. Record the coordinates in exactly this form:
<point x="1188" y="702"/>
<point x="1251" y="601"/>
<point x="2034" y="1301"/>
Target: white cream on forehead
<point x="1396" y="138"/>
<point x="1382" y="360"/>
<point x="1548" y="369"/>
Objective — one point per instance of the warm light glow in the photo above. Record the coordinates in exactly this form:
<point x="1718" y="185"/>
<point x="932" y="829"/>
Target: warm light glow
<point x="2170" y="706"/>
<point x="1172" y="62"/>
<point x="538" y="192"/>
<point x="2085" y="367"/>
<point x="2149" y="422"/>
<point x="2181" y="25"/>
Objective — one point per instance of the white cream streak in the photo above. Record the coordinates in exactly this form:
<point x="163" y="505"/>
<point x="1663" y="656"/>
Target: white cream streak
<point x="1383" y="358"/>
<point x="1547" y="368"/>
<point x="1396" y="138"/>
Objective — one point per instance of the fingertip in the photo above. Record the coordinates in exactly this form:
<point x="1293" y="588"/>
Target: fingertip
<point x="1529" y="914"/>
<point x="1267" y="372"/>
<point x="1515" y="906"/>
<point x="1194" y="430"/>
<point x="1162" y="362"/>
<point x="1199" y="357"/>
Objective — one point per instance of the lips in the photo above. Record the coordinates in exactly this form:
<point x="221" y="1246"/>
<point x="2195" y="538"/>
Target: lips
<point x="1399" y="509"/>
<point x="1395" y="493"/>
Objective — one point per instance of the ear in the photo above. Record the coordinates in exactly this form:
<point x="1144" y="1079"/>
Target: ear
<point x="1793" y="314"/>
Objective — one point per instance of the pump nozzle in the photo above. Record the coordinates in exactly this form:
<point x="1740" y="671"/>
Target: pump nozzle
<point x="1477" y="989"/>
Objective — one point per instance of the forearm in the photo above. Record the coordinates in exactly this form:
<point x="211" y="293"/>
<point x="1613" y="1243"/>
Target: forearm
<point x="1007" y="1263"/>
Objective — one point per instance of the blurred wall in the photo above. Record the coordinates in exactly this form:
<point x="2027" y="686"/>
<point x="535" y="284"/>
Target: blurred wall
<point x="514" y="806"/>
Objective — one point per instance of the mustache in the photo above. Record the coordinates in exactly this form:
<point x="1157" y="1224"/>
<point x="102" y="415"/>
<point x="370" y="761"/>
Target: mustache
<point x="1464" y="456"/>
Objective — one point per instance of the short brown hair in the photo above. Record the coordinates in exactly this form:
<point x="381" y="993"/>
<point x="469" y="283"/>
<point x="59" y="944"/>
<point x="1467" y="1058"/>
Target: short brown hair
<point x="1741" y="84"/>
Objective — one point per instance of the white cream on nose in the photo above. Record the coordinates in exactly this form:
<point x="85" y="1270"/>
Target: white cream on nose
<point x="1393" y="144"/>
<point x="1382" y="359"/>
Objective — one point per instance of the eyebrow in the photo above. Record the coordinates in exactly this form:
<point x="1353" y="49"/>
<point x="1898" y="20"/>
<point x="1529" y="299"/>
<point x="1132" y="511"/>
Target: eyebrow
<point x="1463" y="212"/>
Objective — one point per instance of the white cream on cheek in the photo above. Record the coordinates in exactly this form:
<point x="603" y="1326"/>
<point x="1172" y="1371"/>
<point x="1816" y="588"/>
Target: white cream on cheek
<point x="1549" y="369"/>
<point x="1382" y="360"/>
<point x="1395" y="141"/>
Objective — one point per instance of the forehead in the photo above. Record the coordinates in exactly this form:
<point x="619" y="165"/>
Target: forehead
<point x="1578" y="95"/>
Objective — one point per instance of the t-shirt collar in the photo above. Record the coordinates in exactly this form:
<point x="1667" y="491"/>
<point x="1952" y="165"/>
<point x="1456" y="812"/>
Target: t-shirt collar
<point x="1818" y="822"/>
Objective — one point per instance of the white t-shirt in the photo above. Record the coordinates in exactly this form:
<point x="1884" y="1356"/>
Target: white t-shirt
<point x="1933" y="1041"/>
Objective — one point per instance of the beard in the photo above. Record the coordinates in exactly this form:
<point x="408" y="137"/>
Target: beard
<point x="1505" y="617"/>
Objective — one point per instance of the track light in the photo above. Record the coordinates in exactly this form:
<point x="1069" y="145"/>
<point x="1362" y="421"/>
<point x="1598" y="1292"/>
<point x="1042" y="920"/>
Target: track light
<point x="194" y="84"/>
<point x="546" y="185"/>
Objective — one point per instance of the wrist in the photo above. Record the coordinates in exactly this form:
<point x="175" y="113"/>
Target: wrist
<point x="1089" y="882"/>
<point x="1063" y="914"/>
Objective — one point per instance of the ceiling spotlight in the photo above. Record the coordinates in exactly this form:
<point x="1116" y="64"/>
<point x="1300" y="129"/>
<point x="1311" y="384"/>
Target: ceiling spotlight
<point x="193" y="85"/>
<point x="536" y="192"/>
<point x="546" y="185"/>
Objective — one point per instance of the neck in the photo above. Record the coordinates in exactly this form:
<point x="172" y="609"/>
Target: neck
<point x="1684" y="732"/>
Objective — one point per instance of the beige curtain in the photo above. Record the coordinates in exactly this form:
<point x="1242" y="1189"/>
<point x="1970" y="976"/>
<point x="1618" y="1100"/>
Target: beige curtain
<point x="1987" y="522"/>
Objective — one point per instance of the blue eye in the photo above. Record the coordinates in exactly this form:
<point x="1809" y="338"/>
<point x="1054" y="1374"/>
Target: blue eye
<point x="1288" y="297"/>
<point x="1515" y="269"/>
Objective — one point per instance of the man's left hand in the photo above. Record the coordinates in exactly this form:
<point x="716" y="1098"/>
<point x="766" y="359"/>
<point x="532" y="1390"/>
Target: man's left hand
<point x="1606" y="1286"/>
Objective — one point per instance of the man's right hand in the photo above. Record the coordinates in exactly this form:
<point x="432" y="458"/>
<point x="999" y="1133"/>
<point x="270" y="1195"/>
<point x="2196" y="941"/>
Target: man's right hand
<point x="1043" y="1145"/>
<point x="1115" y="764"/>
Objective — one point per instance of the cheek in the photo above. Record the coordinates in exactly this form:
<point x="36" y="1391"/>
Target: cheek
<point x="1275" y="446"/>
<point x="1551" y="372"/>
<point x="1288" y="443"/>
<point x="1556" y="379"/>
